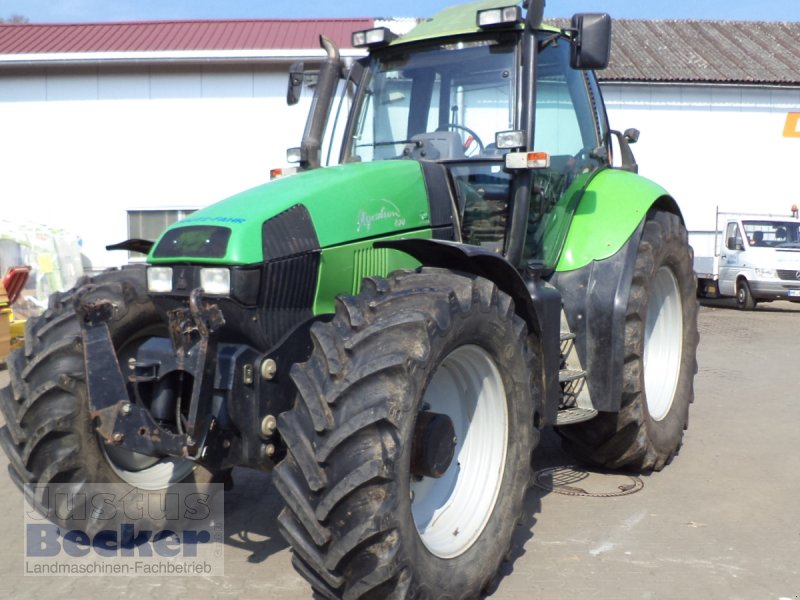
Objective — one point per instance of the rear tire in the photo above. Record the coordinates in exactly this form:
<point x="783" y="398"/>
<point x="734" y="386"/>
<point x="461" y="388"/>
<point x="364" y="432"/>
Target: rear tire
<point x="660" y="359"/>
<point x="361" y="521"/>
<point x="48" y="437"/>
<point x="744" y="297"/>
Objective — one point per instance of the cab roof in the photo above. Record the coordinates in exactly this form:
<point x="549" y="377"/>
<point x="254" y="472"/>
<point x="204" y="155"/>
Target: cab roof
<point x="455" y="21"/>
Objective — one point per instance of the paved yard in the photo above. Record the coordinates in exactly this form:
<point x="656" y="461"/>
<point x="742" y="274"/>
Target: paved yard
<point x="721" y="522"/>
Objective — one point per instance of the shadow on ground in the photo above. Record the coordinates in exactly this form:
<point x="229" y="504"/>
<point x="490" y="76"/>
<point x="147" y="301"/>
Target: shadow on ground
<point x="251" y="515"/>
<point x="548" y="454"/>
<point x="779" y="306"/>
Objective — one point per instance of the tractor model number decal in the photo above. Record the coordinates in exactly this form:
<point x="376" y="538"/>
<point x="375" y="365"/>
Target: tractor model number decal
<point x="386" y="213"/>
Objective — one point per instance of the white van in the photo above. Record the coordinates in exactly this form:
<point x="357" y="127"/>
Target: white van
<point x="756" y="259"/>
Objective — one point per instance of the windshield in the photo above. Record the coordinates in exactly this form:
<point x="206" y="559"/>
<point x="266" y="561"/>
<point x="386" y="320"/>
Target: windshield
<point x="444" y="102"/>
<point x="773" y="234"/>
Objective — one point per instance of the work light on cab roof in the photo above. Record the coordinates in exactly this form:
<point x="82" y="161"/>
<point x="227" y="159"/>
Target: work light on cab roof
<point x="498" y="16"/>
<point x="369" y="38"/>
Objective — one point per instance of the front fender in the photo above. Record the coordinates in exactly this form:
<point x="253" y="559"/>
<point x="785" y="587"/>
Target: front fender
<point x="728" y="284"/>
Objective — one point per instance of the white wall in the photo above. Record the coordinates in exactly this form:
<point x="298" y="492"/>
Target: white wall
<point x="713" y="145"/>
<point x="80" y="148"/>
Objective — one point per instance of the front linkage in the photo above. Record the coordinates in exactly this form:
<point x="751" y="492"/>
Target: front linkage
<point x="212" y="428"/>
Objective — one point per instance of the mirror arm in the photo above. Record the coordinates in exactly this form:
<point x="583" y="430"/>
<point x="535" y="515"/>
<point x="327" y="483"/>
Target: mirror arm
<point x="627" y="159"/>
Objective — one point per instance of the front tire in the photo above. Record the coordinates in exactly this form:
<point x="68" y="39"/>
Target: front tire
<point x="49" y="437"/>
<point x="744" y="297"/>
<point x="660" y="359"/>
<point x="365" y="515"/>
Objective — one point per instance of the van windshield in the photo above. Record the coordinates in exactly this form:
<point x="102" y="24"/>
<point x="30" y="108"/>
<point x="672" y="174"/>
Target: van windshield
<point x="773" y="234"/>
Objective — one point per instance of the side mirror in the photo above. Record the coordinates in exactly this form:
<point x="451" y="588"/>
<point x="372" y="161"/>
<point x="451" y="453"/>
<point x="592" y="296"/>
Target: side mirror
<point x="591" y="48"/>
<point x="631" y="135"/>
<point x="296" y="75"/>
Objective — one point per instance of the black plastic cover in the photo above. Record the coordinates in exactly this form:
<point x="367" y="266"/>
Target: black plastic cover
<point x="289" y="233"/>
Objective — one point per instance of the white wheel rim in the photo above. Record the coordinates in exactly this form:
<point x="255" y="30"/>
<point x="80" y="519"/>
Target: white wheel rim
<point x="146" y="472"/>
<point x="452" y="511"/>
<point x="663" y="344"/>
<point x="140" y="470"/>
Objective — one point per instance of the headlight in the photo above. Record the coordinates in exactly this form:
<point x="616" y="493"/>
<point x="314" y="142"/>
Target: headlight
<point x="216" y="282"/>
<point x="159" y="279"/>
<point x="766" y="273"/>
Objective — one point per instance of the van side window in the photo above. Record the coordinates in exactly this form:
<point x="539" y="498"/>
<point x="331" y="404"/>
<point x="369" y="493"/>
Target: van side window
<point x="734" y="237"/>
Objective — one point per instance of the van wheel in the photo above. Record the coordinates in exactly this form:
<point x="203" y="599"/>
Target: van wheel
<point x="744" y="297"/>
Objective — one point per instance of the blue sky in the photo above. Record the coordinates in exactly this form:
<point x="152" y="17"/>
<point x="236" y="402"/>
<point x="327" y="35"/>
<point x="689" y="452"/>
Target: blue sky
<point x="59" y="11"/>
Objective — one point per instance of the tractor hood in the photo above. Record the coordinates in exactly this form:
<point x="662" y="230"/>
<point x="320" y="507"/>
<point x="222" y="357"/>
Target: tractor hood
<point x="344" y="204"/>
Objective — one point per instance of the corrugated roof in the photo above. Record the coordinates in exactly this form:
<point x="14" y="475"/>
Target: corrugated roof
<point x="732" y="52"/>
<point x="735" y="52"/>
<point x="163" y="36"/>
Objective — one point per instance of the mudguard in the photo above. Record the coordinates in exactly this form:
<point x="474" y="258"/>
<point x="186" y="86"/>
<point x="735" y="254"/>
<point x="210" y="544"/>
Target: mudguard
<point x="613" y="205"/>
<point x="595" y="269"/>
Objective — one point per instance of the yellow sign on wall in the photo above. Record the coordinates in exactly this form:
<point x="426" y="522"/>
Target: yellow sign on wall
<point x="792" y="127"/>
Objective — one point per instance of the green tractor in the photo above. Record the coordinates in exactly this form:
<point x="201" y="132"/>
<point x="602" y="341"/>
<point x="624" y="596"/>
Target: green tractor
<point x="389" y="336"/>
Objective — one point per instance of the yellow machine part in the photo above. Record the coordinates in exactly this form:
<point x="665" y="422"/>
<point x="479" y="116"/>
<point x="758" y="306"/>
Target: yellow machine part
<point x="17" y="332"/>
<point x="12" y="331"/>
<point x="5" y="333"/>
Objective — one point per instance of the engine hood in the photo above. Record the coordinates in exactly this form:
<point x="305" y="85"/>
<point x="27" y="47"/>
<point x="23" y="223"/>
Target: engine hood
<point x="346" y="203"/>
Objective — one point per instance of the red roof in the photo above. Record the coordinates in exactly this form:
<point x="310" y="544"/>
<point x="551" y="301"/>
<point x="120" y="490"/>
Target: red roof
<point x="164" y="36"/>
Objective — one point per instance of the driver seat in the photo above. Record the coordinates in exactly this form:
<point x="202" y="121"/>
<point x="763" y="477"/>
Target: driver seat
<point x="436" y="145"/>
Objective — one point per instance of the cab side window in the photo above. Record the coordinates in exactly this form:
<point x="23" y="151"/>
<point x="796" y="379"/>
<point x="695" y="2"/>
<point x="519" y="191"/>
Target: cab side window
<point x="733" y="237"/>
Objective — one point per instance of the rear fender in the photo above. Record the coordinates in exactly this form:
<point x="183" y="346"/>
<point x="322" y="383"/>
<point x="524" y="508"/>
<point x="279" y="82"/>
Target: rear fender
<point x="612" y="207"/>
<point x="595" y="270"/>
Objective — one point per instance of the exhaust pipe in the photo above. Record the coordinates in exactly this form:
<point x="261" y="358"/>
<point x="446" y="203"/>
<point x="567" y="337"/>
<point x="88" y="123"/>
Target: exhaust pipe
<point x="329" y="75"/>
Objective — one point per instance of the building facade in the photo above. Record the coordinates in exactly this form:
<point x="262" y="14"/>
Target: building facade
<point x="112" y="131"/>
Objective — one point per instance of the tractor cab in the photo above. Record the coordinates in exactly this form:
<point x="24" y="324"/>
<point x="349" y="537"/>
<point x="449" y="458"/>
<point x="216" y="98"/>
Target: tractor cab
<point x="507" y="104"/>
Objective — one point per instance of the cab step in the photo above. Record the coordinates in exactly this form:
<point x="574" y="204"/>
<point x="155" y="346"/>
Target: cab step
<point x="570" y="416"/>
<point x="575" y="401"/>
<point x="567" y="375"/>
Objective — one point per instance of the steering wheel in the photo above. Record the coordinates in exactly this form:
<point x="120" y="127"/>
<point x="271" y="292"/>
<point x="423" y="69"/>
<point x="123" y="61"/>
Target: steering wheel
<point x="475" y="137"/>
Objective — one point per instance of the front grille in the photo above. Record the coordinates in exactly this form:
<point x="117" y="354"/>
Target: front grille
<point x="789" y="274"/>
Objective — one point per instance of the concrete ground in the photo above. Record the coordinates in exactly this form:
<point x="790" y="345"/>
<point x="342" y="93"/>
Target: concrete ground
<point x="721" y="522"/>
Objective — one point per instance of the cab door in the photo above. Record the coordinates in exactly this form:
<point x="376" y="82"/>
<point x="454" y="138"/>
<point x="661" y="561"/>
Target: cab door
<point x="570" y="129"/>
<point x="730" y="258"/>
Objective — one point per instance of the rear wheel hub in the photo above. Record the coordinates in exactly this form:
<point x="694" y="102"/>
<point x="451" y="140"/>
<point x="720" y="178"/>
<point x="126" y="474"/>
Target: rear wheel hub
<point x="434" y="445"/>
